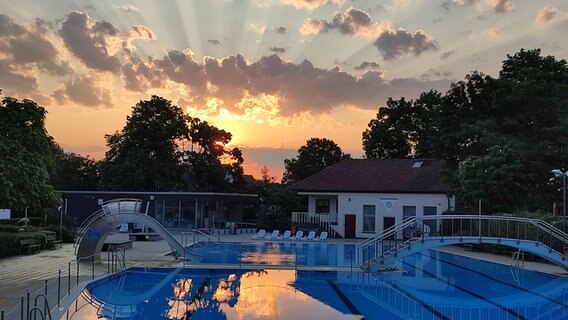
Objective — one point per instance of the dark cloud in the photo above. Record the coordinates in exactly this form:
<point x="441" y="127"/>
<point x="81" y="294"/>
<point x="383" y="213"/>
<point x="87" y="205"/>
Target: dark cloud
<point x="394" y="43"/>
<point x="86" y="39"/>
<point x="447" y="54"/>
<point x="214" y="42"/>
<point x="299" y="87"/>
<point x="85" y="90"/>
<point x="278" y="50"/>
<point x="502" y="6"/>
<point x="447" y="4"/>
<point x="432" y="74"/>
<point x="14" y="80"/>
<point x="30" y="44"/>
<point x="281" y="30"/>
<point x="352" y="21"/>
<point x="367" y="65"/>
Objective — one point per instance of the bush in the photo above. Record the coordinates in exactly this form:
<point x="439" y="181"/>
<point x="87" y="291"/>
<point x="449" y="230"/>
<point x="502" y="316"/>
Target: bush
<point x="10" y="241"/>
<point x="68" y="236"/>
<point x="9" y="228"/>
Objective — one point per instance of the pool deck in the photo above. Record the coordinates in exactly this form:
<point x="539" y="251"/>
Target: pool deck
<point x="18" y="274"/>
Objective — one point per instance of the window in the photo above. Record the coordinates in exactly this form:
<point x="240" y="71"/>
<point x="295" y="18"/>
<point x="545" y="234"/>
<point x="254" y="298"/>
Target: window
<point x="368" y="218"/>
<point x="408" y="211"/>
<point x="430" y="211"/>
<point x="322" y="205"/>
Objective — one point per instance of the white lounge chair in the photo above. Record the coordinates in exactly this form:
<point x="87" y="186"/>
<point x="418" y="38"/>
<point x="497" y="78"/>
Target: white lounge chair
<point x="273" y="236"/>
<point x="260" y="235"/>
<point x="311" y="236"/>
<point x="286" y="235"/>
<point x="321" y="237"/>
<point x="299" y="235"/>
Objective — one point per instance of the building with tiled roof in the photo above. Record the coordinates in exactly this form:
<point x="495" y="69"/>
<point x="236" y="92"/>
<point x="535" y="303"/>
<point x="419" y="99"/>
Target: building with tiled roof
<point x="362" y="197"/>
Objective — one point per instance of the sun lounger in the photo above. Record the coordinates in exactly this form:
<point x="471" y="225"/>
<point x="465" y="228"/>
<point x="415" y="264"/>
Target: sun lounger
<point x="299" y="235"/>
<point x="311" y="236"/>
<point x="285" y="236"/>
<point x="260" y="235"/>
<point x="321" y="237"/>
<point x="273" y="236"/>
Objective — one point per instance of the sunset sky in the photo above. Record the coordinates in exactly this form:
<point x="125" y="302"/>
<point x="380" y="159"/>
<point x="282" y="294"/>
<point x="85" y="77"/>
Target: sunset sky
<point x="274" y="73"/>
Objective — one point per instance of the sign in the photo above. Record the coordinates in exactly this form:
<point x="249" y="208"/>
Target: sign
<point x="389" y="203"/>
<point x="5" y="214"/>
<point x="94" y="235"/>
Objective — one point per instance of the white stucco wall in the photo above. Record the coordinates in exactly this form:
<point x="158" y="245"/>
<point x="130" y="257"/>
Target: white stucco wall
<point x="352" y="203"/>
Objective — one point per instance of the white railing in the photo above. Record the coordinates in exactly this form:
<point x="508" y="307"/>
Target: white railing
<point x="312" y="217"/>
<point x="411" y="230"/>
<point x="324" y="220"/>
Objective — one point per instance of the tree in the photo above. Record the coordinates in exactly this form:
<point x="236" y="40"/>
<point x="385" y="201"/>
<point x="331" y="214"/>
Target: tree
<point x="207" y="164"/>
<point x="500" y="137"/>
<point x="316" y="155"/>
<point x="73" y="171"/>
<point x="25" y="157"/>
<point x="402" y="128"/>
<point x="144" y="155"/>
<point x="506" y="168"/>
<point x="276" y="202"/>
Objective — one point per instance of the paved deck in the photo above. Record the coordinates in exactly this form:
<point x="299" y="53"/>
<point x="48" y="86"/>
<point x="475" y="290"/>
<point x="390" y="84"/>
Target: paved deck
<point x="18" y="274"/>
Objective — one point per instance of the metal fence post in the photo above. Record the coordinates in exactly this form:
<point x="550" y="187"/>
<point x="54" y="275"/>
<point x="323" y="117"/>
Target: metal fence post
<point x="22" y="307"/>
<point x="2" y="315"/>
<point x="77" y="272"/>
<point x="28" y="304"/>
<point x="69" y="278"/>
<point x="93" y="267"/>
<point x="59" y="288"/>
<point x="45" y="303"/>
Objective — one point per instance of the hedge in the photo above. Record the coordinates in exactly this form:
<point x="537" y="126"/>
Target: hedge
<point x="10" y="242"/>
<point x="10" y="237"/>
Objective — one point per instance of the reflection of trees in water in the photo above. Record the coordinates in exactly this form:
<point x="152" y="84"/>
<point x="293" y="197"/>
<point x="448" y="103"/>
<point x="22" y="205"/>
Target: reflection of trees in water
<point x="208" y="298"/>
<point x="257" y="273"/>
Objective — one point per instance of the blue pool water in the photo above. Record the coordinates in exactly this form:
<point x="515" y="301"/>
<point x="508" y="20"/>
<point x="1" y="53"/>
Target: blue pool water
<point x="279" y="253"/>
<point x="434" y="285"/>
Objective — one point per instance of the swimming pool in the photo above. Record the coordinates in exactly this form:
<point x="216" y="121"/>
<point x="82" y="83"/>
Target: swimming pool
<point x="434" y="285"/>
<point x="278" y="253"/>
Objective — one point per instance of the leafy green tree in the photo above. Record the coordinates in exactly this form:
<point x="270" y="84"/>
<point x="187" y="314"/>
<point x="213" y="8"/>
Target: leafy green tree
<point x="25" y="158"/>
<point x="73" y="171"/>
<point x="316" y="155"/>
<point x="207" y="163"/>
<point x="500" y="137"/>
<point x="143" y="156"/>
<point x="402" y="128"/>
<point x="505" y="168"/>
<point x="276" y="202"/>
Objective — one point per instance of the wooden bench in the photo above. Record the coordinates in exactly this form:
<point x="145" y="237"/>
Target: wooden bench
<point x="29" y="245"/>
<point x="51" y="240"/>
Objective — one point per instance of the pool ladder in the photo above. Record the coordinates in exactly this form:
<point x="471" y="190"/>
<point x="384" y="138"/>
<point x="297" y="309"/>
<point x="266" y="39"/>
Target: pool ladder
<point x="518" y="259"/>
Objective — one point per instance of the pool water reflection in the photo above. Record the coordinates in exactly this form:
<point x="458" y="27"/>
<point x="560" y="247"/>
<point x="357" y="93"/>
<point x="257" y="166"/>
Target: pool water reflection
<point x="434" y="285"/>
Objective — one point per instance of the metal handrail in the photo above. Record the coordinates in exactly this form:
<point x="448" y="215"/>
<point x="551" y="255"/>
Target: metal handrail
<point x="102" y="212"/>
<point x="46" y="307"/>
<point x="480" y="226"/>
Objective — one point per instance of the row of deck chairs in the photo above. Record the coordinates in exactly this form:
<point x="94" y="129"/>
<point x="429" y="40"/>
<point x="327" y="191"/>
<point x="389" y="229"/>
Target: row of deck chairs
<point x="287" y="236"/>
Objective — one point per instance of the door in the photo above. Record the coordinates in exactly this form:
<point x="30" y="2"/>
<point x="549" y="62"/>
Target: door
<point x="350" y="226"/>
<point x="388" y="222"/>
